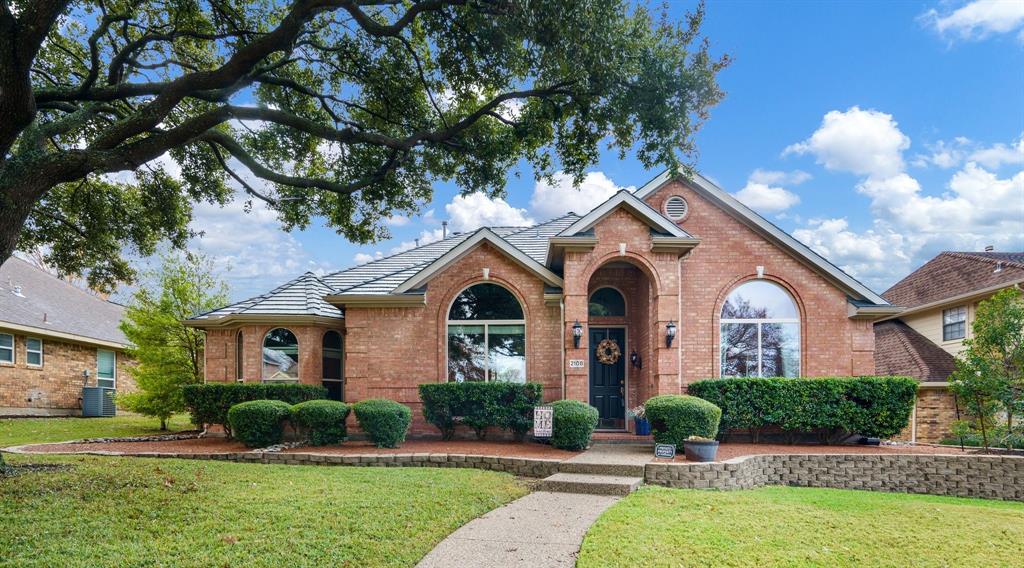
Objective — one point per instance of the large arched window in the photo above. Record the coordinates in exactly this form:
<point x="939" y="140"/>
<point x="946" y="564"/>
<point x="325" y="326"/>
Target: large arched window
<point x="486" y="336"/>
<point x="332" y="365"/>
<point x="280" y="356"/>
<point x="760" y="332"/>
<point x="606" y="302"/>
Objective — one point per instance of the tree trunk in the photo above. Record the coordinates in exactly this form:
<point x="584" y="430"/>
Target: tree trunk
<point x="163" y="423"/>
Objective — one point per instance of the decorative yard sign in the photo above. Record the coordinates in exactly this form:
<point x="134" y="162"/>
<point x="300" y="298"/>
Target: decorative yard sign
<point x="667" y="451"/>
<point x="543" y="421"/>
<point x="575" y="363"/>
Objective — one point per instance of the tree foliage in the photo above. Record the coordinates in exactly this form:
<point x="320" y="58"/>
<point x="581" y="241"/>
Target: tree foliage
<point x="345" y="109"/>
<point x="989" y="376"/>
<point x="168" y="354"/>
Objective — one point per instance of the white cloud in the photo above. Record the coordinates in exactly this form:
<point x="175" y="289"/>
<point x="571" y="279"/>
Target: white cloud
<point x="766" y="198"/>
<point x="773" y="177"/>
<point x="470" y="212"/>
<point x="944" y="154"/>
<point x="865" y="142"/>
<point x="978" y="20"/>
<point x="866" y="254"/>
<point x="398" y="220"/>
<point x="554" y="200"/>
<point x="999" y="154"/>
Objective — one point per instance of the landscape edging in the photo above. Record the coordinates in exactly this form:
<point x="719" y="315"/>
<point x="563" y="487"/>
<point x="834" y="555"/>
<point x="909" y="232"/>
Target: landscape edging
<point x="988" y="477"/>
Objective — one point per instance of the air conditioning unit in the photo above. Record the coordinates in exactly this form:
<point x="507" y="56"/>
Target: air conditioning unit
<point x="98" y="401"/>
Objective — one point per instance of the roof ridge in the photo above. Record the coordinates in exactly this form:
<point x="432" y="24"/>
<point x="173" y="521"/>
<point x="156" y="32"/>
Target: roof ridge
<point x="383" y="276"/>
<point x="918" y="360"/>
<point x="976" y="255"/>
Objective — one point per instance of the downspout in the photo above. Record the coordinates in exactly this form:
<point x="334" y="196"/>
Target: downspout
<point x="561" y="316"/>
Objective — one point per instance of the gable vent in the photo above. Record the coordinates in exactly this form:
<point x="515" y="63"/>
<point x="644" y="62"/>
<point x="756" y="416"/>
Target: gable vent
<point x="675" y="208"/>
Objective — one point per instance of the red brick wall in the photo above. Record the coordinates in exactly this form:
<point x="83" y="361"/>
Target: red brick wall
<point x="56" y="387"/>
<point x="220" y="357"/>
<point x="729" y="252"/>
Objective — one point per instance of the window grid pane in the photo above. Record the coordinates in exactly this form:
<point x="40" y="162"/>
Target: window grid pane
<point x="6" y="348"/>
<point x="954" y="323"/>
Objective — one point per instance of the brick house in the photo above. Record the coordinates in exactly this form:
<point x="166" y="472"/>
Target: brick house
<point x="51" y="334"/>
<point x="939" y="300"/>
<point x="669" y="284"/>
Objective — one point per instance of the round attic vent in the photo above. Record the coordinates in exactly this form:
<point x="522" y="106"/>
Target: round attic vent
<point x="675" y="208"/>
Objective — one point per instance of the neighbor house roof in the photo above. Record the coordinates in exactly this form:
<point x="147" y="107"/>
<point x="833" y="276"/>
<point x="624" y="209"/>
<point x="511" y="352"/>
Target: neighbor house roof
<point x="899" y="350"/>
<point x="34" y="301"/>
<point x="955" y="275"/>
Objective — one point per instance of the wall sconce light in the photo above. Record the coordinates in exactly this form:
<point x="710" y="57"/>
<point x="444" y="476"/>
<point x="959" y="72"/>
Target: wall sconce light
<point x="635" y="360"/>
<point x="670" y="333"/>
<point x="577" y="334"/>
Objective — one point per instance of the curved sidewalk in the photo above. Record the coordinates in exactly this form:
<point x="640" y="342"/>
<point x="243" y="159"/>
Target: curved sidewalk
<point x="539" y="530"/>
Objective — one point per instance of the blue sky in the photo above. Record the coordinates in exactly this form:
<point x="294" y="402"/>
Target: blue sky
<point x="879" y="133"/>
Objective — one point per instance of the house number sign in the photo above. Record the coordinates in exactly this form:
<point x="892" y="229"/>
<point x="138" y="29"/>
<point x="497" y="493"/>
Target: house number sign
<point x="575" y="363"/>
<point x="543" y="421"/>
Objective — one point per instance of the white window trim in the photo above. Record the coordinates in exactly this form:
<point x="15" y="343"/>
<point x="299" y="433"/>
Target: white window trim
<point x="487" y="352"/>
<point x="13" y="348"/>
<point x="112" y="378"/>
<point x="760" y="322"/>
<point x="943" y="324"/>
<point x="30" y="351"/>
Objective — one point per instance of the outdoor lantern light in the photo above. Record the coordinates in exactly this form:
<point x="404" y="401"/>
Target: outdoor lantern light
<point x="577" y="334"/>
<point x="670" y="333"/>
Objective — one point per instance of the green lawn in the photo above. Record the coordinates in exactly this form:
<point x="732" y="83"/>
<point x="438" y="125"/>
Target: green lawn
<point x="791" y="526"/>
<point x="148" y="512"/>
<point x="17" y="431"/>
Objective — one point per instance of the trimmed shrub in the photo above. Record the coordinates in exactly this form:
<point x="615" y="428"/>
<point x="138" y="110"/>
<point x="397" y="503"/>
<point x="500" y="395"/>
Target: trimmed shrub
<point x="829" y="406"/>
<point x="573" y="424"/>
<point x="676" y="417"/>
<point x="259" y="423"/>
<point x="385" y="421"/>
<point x="321" y="421"/>
<point x="480" y="405"/>
<point x="209" y="403"/>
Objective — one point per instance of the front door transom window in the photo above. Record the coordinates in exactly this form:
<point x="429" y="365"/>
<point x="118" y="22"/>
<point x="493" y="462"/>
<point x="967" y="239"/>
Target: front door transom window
<point x="486" y="336"/>
<point x="760" y="332"/>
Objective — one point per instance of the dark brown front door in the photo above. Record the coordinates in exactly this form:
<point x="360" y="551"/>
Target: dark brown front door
<point x="608" y="381"/>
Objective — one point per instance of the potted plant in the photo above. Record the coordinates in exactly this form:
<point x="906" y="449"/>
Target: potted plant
<point x="700" y="449"/>
<point x="643" y="427"/>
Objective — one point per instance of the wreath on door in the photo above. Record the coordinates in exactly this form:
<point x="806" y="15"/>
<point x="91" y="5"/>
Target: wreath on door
<point x="608" y="352"/>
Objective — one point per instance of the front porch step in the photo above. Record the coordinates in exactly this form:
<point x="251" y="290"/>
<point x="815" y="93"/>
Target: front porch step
<point x="598" y="468"/>
<point x="590" y="484"/>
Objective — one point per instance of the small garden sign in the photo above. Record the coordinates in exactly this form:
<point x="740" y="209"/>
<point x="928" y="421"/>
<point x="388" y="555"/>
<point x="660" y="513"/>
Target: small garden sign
<point x="543" y="421"/>
<point x="667" y="451"/>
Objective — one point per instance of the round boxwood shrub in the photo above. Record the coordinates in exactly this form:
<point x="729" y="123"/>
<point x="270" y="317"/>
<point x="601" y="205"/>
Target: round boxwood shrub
<point x="675" y="418"/>
<point x="574" y="422"/>
<point x="321" y="421"/>
<point x="384" y="421"/>
<point x="259" y="423"/>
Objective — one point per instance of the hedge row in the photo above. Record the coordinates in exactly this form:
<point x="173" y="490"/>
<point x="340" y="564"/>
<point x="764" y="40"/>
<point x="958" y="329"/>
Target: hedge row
<point x="479" y="405"/>
<point x="870" y="406"/>
<point x="209" y="403"/>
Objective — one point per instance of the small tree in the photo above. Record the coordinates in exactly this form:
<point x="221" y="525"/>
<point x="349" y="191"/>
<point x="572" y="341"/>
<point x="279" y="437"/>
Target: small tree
<point x="989" y="374"/>
<point x="168" y="354"/>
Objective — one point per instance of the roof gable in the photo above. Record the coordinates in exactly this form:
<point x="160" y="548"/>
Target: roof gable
<point x="767" y="229"/>
<point x="474" y="240"/>
<point x="625" y="200"/>
<point x="952" y="275"/>
<point x="899" y="350"/>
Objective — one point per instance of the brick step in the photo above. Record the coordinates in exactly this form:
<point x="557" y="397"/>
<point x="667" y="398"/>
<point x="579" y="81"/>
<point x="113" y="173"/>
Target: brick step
<point x="597" y="468"/>
<point x="590" y="484"/>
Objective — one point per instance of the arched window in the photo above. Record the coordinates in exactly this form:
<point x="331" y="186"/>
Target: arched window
<point x="760" y="332"/>
<point x="486" y="336"/>
<point x="280" y="356"/>
<point x="606" y="302"/>
<point x="239" y="358"/>
<point x="332" y="365"/>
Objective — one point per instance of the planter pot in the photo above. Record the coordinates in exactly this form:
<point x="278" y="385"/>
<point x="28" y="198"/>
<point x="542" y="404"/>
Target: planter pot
<point x="643" y="427"/>
<point x="700" y="451"/>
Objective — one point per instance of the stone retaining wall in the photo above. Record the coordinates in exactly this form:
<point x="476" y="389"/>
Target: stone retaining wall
<point x="990" y="477"/>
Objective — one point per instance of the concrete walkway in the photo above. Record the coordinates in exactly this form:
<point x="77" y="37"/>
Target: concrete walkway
<point x="539" y="530"/>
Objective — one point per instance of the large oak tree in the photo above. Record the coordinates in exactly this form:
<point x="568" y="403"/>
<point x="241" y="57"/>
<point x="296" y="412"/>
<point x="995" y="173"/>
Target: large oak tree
<point x="345" y="109"/>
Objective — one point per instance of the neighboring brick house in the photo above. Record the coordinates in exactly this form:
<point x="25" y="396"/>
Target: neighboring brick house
<point x="51" y="334"/>
<point x="684" y="280"/>
<point x="939" y="301"/>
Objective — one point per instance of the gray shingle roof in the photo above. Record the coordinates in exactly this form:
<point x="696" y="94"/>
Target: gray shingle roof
<point x="302" y="296"/>
<point x="49" y="303"/>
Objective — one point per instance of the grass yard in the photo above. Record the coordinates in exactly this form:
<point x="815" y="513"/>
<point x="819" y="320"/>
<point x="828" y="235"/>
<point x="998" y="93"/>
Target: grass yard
<point x="792" y="526"/>
<point x="147" y="512"/>
<point x="17" y="431"/>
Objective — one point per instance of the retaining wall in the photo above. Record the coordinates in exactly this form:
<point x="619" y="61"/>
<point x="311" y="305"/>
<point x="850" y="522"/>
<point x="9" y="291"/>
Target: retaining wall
<point x="990" y="477"/>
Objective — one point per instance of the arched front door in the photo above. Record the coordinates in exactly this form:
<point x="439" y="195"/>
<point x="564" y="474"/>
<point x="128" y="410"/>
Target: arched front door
<point x="608" y="376"/>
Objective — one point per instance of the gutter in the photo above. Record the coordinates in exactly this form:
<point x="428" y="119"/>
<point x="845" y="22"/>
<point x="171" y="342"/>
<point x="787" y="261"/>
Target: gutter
<point x="956" y="299"/>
